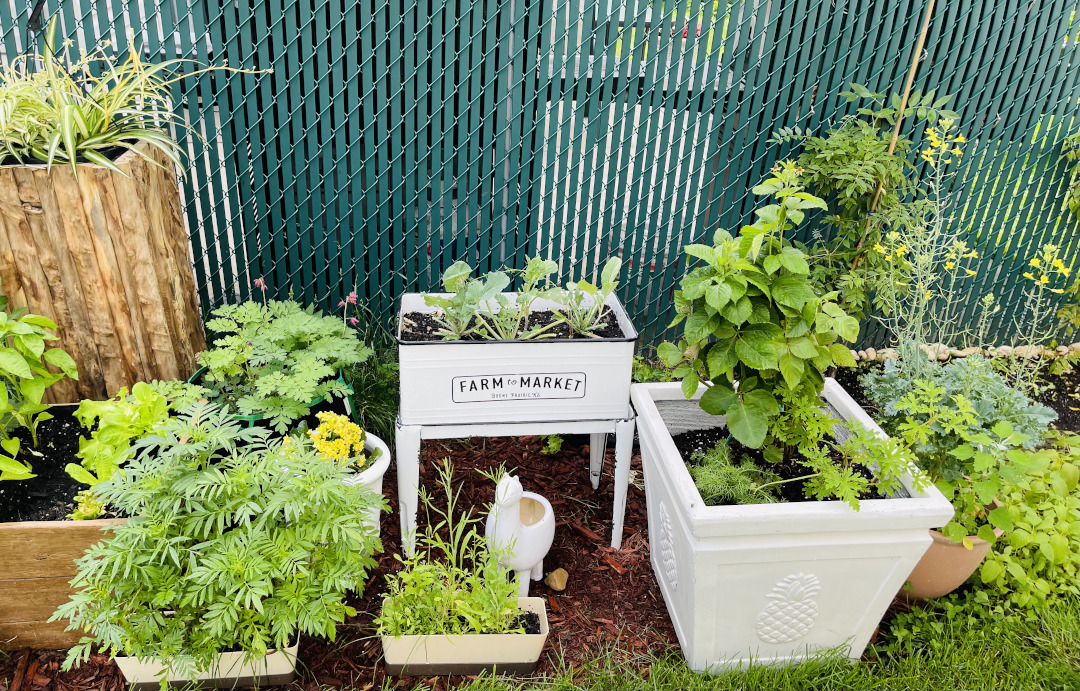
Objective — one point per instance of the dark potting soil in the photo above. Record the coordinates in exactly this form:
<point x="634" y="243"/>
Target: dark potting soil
<point x="688" y="443"/>
<point x="50" y="496"/>
<point x="848" y="377"/>
<point x="1062" y="393"/>
<point x="420" y="326"/>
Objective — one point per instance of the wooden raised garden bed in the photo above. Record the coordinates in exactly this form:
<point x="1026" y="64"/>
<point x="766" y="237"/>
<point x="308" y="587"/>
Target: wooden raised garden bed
<point x="37" y="563"/>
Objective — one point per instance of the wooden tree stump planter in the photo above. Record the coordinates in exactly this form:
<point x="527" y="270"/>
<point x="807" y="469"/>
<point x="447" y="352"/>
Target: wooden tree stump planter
<point x="38" y="561"/>
<point x="106" y="257"/>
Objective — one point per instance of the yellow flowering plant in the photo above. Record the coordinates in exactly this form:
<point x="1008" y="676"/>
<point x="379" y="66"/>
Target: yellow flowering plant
<point x="337" y="440"/>
<point x="1047" y="277"/>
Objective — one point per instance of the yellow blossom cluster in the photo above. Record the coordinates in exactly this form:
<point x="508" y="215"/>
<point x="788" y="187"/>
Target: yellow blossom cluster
<point x="1048" y="263"/>
<point x="942" y="145"/>
<point x="339" y="439"/>
<point x="955" y="255"/>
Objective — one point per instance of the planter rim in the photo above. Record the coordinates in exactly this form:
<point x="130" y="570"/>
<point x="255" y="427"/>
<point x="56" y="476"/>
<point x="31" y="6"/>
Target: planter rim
<point x="126" y="157"/>
<point x="629" y="332"/>
<point x="377" y="469"/>
<point x="529" y="604"/>
<point x="930" y="506"/>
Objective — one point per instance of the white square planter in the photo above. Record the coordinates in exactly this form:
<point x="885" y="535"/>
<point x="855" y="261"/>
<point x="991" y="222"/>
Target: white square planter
<point x="515" y="653"/>
<point x="542" y="380"/>
<point x="772" y="583"/>
<point x="229" y="671"/>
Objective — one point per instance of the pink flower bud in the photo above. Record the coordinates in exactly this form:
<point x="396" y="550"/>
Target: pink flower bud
<point x="353" y="321"/>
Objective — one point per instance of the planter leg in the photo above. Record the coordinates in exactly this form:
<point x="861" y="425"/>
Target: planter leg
<point x="408" y="478"/>
<point x="537" y="570"/>
<point x="597" y="444"/>
<point x="624" y="447"/>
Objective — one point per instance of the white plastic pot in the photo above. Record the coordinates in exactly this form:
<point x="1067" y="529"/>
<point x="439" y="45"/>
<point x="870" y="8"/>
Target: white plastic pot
<point x="541" y="380"/>
<point x="372" y="476"/>
<point x="772" y="583"/>
<point x="513" y="653"/>
<point x="229" y="671"/>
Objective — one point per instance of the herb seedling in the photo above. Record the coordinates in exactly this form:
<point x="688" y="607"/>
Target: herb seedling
<point x="511" y="318"/>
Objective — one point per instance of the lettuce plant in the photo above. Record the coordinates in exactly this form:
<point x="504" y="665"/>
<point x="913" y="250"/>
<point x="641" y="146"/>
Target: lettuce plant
<point x="232" y="544"/>
<point x="275" y="359"/>
<point x="457" y="313"/>
<point x="115" y="424"/>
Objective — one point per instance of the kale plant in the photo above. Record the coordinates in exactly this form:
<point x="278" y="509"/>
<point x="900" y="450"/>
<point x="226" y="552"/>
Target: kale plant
<point x="584" y="303"/>
<point x="991" y="398"/>
<point x="456" y="314"/>
<point x="232" y="544"/>
<point x="275" y="359"/>
<point x="510" y="320"/>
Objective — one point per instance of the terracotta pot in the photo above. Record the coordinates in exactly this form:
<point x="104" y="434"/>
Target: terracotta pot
<point x="944" y="567"/>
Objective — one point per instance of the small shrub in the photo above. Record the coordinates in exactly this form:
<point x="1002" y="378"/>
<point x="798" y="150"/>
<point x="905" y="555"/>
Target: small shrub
<point x="974" y="379"/>
<point x="232" y="544"/>
<point x="275" y="359"/>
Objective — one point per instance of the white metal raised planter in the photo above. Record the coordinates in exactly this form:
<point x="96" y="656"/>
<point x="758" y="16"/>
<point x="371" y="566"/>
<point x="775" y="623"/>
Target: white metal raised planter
<point x="547" y="379"/>
<point x="229" y="671"/>
<point x="512" y="653"/>
<point x="772" y="583"/>
<point x="372" y="476"/>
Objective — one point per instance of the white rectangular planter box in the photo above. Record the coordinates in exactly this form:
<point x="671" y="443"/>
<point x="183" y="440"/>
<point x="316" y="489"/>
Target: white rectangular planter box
<point x="542" y="380"/>
<point x="514" y="653"/>
<point x="230" y="670"/>
<point x="773" y="583"/>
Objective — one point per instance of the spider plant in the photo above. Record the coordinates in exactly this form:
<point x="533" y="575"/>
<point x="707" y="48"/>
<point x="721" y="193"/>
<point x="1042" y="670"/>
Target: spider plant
<point x="58" y="111"/>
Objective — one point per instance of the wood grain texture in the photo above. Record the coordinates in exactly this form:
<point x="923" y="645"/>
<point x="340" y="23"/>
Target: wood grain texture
<point x="45" y="549"/>
<point x="105" y="256"/>
<point x="39" y="635"/>
<point x="38" y="560"/>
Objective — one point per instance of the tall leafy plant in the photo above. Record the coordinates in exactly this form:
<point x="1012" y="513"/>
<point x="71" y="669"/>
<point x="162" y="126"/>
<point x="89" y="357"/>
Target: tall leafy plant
<point x="24" y="378"/>
<point x="755" y="332"/>
<point x="234" y="543"/>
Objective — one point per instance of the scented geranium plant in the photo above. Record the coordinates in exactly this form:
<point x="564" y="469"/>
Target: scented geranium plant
<point x="276" y="358"/>
<point x="234" y="543"/>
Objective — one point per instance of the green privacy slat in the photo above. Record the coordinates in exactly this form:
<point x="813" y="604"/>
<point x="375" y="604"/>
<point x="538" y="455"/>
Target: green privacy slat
<point x="395" y="138"/>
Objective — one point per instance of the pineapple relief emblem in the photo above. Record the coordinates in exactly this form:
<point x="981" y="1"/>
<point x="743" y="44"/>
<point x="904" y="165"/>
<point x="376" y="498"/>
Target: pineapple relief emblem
<point x="667" y="548"/>
<point x="791" y="611"/>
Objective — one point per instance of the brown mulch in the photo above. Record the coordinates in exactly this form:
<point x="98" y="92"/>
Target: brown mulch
<point x="611" y="601"/>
